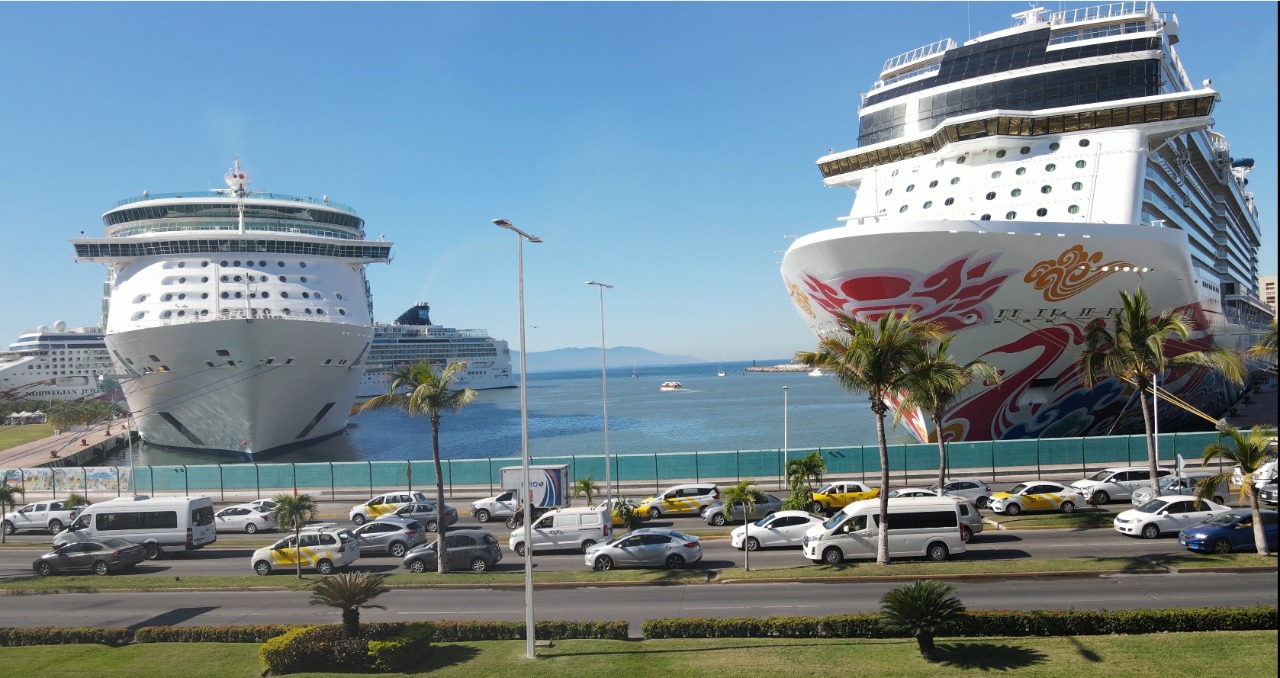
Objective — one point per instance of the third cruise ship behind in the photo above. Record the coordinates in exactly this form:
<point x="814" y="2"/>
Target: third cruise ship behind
<point x="1011" y="187"/>
<point x="238" y="320"/>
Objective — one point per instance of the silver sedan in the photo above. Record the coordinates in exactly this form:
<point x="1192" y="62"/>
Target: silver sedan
<point x="784" y="528"/>
<point x="765" y="504"/>
<point x="243" y="518"/>
<point x="646" y="547"/>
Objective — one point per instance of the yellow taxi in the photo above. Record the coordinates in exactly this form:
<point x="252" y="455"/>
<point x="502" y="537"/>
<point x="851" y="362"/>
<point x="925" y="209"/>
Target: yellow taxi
<point x="384" y="505"/>
<point x="322" y="548"/>
<point x="834" y="496"/>
<point x="621" y="507"/>
<point x="688" y="499"/>
<point x="1038" y="495"/>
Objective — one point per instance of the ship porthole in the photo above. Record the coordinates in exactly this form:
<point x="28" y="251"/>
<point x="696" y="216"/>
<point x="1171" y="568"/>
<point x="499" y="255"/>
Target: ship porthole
<point x="970" y="318"/>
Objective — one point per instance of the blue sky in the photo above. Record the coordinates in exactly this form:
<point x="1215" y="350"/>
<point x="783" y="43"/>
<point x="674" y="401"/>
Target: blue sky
<point x="664" y="148"/>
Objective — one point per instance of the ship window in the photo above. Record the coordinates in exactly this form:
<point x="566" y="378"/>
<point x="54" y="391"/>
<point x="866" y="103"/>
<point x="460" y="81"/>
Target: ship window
<point x="1010" y="215"/>
<point x="911" y="187"/>
<point x="1024" y="150"/>
<point x="249" y="264"/>
<point x="1081" y="164"/>
<point x="955" y="180"/>
<point x="239" y="295"/>
<point x="166" y="314"/>
<point x="226" y="278"/>
<point x="253" y="295"/>
<point x="933" y="184"/>
<point x="204" y="264"/>
<point x="306" y="295"/>
<point x="181" y="313"/>
<point x="342" y="311"/>
<point x="338" y="295"/>
<point x="1084" y="142"/>
<point x="302" y="264"/>
<point x="1074" y="209"/>
<point x="940" y="163"/>
<point x="287" y="311"/>
<point x="1042" y="212"/>
<point x="289" y="361"/>
<point x="895" y="173"/>
<point x="329" y="361"/>
<point x="928" y="204"/>
<point x="319" y="311"/>
<point x="1021" y="171"/>
<point x="889" y="192"/>
<point x="140" y="298"/>
<point x="226" y="295"/>
<point x="283" y="279"/>
<point x="317" y="295"/>
<point x="986" y="217"/>
<point x="302" y="278"/>
<point x="204" y="295"/>
<point x="182" y="296"/>
<point x="1016" y="192"/>
<point x="262" y="264"/>
<point x="949" y="202"/>
<point x="235" y="263"/>
<point x="280" y="264"/>
<point x="307" y="311"/>
<point x="1046" y="188"/>
<point x="209" y="363"/>
<point x="997" y="174"/>
<point x="1054" y="146"/>
<point x="1077" y="186"/>
<point x="991" y="195"/>
<point x="284" y="295"/>
<point x="1050" y="167"/>
<point x="182" y="280"/>
<point x="205" y="279"/>
<point x="139" y="315"/>
<point x="204" y="311"/>
<point x="902" y="209"/>
<point x="960" y="160"/>
<point x="1000" y="153"/>
<point x="237" y="278"/>
<point x="270" y="361"/>
<point x="266" y="294"/>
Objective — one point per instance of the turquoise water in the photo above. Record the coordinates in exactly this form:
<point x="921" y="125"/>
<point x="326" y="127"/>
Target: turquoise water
<point x="740" y="411"/>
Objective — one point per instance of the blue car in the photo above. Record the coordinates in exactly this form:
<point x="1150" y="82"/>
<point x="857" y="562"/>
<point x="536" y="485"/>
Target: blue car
<point x="1229" y="531"/>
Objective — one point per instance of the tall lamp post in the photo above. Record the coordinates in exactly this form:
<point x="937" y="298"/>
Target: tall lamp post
<point x="604" y="394"/>
<point x="786" y="449"/>
<point x="530" y="648"/>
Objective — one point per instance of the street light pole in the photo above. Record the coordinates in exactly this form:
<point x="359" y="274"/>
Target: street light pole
<point x="604" y="395"/>
<point x="530" y="649"/>
<point x="786" y="449"/>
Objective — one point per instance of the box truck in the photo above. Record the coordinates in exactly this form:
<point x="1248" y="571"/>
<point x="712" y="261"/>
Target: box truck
<point x="548" y="485"/>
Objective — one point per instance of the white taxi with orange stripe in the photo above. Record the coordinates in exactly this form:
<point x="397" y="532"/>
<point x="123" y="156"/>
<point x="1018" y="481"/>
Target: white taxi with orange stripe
<point x="384" y="505"/>
<point x="323" y="548"/>
<point x="680" y="500"/>
<point x="1037" y="495"/>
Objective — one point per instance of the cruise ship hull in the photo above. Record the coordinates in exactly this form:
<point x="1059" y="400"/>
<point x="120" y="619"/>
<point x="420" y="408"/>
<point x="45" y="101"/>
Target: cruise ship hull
<point x="1018" y="295"/>
<point x="242" y="387"/>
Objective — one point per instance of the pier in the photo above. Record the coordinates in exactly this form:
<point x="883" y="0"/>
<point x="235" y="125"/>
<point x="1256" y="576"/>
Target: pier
<point x="75" y="447"/>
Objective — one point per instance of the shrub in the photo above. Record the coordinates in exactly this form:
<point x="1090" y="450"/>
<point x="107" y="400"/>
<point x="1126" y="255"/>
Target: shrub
<point x="408" y="649"/>
<point x="86" y="635"/>
<point x="209" y="634"/>
<point x="380" y="647"/>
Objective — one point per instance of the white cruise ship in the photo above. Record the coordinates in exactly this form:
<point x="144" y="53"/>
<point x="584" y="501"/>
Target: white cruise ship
<point x="1012" y="186"/>
<point x="412" y="338"/>
<point x="240" y="319"/>
<point x="55" y="364"/>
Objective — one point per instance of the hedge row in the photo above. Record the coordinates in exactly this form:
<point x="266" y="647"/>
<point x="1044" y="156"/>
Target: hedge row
<point x="465" y="631"/>
<point x="979" y="623"/>
<point x="380" y="647"/>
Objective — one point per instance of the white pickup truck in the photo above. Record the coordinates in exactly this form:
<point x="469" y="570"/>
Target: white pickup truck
<point x="40" y="515"/>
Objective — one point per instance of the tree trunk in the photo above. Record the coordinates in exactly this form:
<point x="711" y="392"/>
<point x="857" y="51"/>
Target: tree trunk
<point x="882" y="536"/>
<point x="1259" y="537"/>
<point x="442" y="552"/>
<point x="942" y="454"/>
<point x="350" y="622"/>
<point x="1152" y="461"/>
<point x="297" y="546"/>
<point x="927" y="648"/>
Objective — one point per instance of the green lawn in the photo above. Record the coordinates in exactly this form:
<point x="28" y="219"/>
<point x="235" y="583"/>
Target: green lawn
<point x="1239" y="654"/>
<point x="12" y="436"/>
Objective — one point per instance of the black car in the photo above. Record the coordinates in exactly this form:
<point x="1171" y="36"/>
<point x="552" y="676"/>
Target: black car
<point x="476" y="550"/>
<point x="1267" y="493"/>
<point x="99" y="557"/>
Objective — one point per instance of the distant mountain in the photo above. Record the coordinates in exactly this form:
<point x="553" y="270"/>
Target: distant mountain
<point x="588" y="358"/>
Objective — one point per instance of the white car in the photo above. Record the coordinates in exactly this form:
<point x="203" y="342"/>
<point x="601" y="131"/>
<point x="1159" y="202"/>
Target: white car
<point x="243" y="518"/>
<point x="1266" y="473"/>
<point x="1037" y="495"/>
<point x="264" y="505"/>
<point x="912" y="492"/>
<point x="781" y="528"/>
<point x="384" y="504"/>
<point x="976" y="491"/>
<point x="323" y="548"/>
<point x="1166" y="515"/>
<point x="1116" y="483"/>
<point x="500" y="506"/>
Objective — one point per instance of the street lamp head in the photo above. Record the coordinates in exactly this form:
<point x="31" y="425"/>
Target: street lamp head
<point x="503" y="223"/>
<point x="605" y="285"/>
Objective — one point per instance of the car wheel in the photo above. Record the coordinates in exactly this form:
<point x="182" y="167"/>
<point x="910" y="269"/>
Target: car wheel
<point x="674" y="562"/>
<point x="753" y="544"/>
<point x="151" y="550"/>
<point x="1068" y="507"/>
<point x="512" y="522"/>
<point x="432" y="526"/>
<point x="1013" y="509"/>
<point x="817" y="507"/>
<point x="586" y="545"/>
<point x="398" y="549"/>
<point x="358" y="519"/>
<point x="44" y="569"/>
<point x="418" y="566"/>
<point x="520" y="549"/>
<point x="718" y="519"/>
<point x="832" y="556"/>
<point x="55" y="526"/>
<point x="654" y="513"/>
<point x="1221" y="546"/>
<point x="966" y="533"/>
<point x="482" y="516"/>
<point x="250" y="529"/>
<point x="324" y="567"/>
<point x="1219" y="500"/>
<point x="603" y="563"/>
<point x="101" y="568"/>
<point x="479" y="565"/>
<point x="982" y="502"/>
<point x="262" y="567"/>
<point x="1150" y="531"/>
<point x="1101" y="497"/>
<point x="937" y="552"/>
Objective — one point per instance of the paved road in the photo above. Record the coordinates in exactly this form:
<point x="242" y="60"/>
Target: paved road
<point x="635" y="604"/>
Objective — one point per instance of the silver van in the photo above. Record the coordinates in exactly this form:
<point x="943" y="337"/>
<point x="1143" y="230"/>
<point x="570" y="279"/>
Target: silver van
<point x="918" y="527"/>
<point x="567" y="528"/>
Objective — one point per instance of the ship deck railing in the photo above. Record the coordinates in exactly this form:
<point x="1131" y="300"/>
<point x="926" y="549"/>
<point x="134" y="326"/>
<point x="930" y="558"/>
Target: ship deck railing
<point x="253" y="195"/>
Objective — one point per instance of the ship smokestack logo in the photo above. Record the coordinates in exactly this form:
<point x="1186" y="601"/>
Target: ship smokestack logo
<point x="1073" y="272"/>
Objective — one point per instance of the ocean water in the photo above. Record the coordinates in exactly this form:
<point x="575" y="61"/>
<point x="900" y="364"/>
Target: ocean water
<point x="740" y="411"/>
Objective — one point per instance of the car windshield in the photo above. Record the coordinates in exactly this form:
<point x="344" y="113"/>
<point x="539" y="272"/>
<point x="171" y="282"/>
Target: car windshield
<point x="834" y="521"/>
<point x="1223" y="520"/>
<point x="825" y="488"/>
<point x="1100" y="476"/>
<point x="1152" y="506"/>
<point x="1018" y="488"/>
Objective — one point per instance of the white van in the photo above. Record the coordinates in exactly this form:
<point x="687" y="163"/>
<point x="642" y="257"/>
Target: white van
<point x="918" y="526"/>
<point x="566" y="528"/>
<point x="162" y="524"/>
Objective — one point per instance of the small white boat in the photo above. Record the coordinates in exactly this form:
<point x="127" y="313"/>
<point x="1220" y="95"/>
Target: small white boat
<point x="817" y="372"/>
<point x="670" y="386"/>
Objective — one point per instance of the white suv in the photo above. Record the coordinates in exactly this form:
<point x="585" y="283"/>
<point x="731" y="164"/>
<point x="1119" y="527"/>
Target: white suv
<point x="323" y="548"/>
<point x="501" y="506"/>
<point x="1117" y="482"/>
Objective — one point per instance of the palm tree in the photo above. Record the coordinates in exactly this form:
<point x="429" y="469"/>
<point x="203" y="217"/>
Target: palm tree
<point x="1265" y="349"/>
<point x="803" y="474"/>
<point x="349" y="591"/>
<point x="431" y="394"/>
<point x="585" y="486"/>
<point x="936" y="384"/>
<point x="875" y="358"/>
<point x="295" y="510"/>
<point x="1248" y="453"/>
<point x="7" y="495"/>
<point x="75" y="499"/>
<point x="745" y="493"/>
<point x="1133" y="350"/>
<point x="920" y="608"/>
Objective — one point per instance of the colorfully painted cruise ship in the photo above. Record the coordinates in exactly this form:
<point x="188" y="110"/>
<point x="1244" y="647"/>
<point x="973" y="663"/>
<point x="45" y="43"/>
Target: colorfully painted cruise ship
<point x="57" y="363"/>
<point x="412" y="338"/>
<point x="240" y="320"/>
<point x="1012" y="186"/>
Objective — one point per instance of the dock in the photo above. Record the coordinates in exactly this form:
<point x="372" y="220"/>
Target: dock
<point x="69" y="448"/>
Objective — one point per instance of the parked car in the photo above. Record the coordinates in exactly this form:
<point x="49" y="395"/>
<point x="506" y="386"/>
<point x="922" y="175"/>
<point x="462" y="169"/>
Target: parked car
<point x="264" y="505"/>
<point x="617" y="516"/>
<point x="1166" y="514"/>
<point x="384" y="504"/>
<point x="970" y="518"/>
<point x="912" y="492"/>
<point x="243" y="518"/>
<point x="390" y="535"/>
<point x="566" y="528"/>
<point x="835" y="496"/>
<point x="781" y="528"/>
<point x="1184" y="484"/>
<point x="323" y="548"/>
<point x="1038" y="495"/>
<point x="467" y="548"/>
<point x="1115" y="483"/>
<point x="425" y="513"/>
<point x="1229" y="531"/>
<point x="498" y="506"/>
<point x="976" y="491"/>
<point x="49" y="516"/>
<point x="646" y="547"/>
<point x="688" y="499"/>
<point x="1267" y="494"/>
<point x="99" y="556"/>
<point x="1264" y="474"/>
<point x="766" y="503"/>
